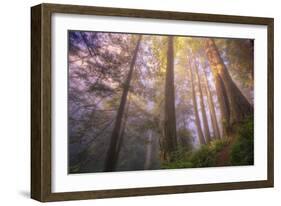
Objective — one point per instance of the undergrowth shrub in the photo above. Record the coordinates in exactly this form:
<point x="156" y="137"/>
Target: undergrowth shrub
<point x="205" y="156"/>
<point x="242" y="150"/>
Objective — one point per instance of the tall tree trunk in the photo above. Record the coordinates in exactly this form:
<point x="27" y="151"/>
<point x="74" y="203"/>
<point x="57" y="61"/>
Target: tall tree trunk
<point x="240" y="108"/>
<point x="212" y="108"/>
<point x="111" y="159"/>
<point x="122" y="133"/>
<point x="147" y="162"/>
<point x="221" y="93"/>
<point x="252" y="59"/>
<point x="202" y="105"/>
<point x="170" y="136"/>
<point x="197" y="119"/>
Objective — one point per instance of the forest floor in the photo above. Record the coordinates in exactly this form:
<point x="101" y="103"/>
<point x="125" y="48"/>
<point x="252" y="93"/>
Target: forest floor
<point x="223" y="157"/>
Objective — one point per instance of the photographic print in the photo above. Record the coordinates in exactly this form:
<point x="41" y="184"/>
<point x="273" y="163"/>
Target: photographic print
<point x="130" y="102"/>
<point x="149" y="102"/>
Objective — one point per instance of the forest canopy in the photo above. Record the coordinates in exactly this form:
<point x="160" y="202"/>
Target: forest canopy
<point x="143" y="102"/>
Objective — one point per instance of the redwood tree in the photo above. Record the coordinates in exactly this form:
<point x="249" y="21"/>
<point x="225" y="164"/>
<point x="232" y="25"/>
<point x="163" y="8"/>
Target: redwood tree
<point x="214" y="120"/>
<point x="202" y="105"/>
<point x="195" y="108"/>
<point x="111" y="158"/>
<point x="239" y="107"/>
<point x="170" y="136"/>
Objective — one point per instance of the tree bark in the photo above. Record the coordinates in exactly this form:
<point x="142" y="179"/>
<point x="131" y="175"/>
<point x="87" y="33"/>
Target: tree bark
<point x="221" y="93"/>
<point x="197" y="119"/>
<point x="240" y="108"/>
<point x="212" y="108"/>
<point x="122" y="133"/>
<point x="170" y="137"/>
<point x="202" y="105"/>
<point x="147" y="162"/>
<point x="111" y="158"/>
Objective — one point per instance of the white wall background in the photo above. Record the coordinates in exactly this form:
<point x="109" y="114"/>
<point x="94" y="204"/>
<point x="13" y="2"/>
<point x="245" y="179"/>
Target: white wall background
<point x="15" y="102"/>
